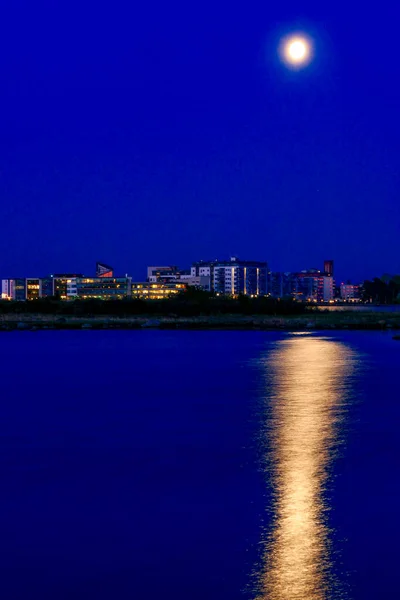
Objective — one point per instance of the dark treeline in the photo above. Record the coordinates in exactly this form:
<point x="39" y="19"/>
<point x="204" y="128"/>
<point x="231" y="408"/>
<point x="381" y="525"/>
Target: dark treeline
<point x="385" y="290"/>
<point x="190" y="303"/>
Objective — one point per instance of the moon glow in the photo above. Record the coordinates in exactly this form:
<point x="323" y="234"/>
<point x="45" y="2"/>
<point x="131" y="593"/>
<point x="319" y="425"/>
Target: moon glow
<point x="296" y="51"/>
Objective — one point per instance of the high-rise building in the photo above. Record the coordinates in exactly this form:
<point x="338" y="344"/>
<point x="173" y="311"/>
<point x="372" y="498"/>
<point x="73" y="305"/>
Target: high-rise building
<point x="314" y="286"/>
<point x="328" y="267"/>
<point x="8" y="289"/>
<point x="234" y="277"/>
<point x="329" y="289"/>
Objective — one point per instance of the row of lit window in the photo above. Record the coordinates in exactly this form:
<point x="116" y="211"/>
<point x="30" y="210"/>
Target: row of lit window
<point x="102" y="281"/>
<point x="90" y="296"/>
<point x="99" y="287"/>
<point x="152" y="292"/>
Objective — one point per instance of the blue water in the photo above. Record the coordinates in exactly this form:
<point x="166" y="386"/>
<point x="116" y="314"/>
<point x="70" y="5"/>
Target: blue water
<point x="202" y="465"/>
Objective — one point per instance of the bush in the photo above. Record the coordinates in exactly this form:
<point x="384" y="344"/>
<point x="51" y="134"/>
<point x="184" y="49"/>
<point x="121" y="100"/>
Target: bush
<point x="191" y="303"/>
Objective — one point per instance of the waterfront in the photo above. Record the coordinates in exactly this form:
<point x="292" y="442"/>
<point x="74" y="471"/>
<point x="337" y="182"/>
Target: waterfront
<point x="201" y="464"/>
<point x="320" y="319"/>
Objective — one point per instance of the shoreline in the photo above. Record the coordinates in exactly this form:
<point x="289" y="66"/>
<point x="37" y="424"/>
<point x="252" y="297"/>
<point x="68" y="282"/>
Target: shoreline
<point x="317" y="321"/>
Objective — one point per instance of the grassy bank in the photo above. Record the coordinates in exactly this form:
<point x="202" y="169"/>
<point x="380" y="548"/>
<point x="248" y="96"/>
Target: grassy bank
<point x="318" y="321"/>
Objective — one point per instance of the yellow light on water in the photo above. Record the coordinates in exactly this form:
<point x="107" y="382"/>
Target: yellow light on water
<point x="302" y="429"/>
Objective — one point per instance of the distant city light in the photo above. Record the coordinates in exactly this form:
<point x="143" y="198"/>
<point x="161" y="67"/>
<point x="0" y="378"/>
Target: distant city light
<point x="296" y="50"/>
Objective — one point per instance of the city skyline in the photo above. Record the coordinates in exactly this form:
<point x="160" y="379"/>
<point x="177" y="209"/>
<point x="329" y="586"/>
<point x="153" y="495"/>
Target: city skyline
<point x="233" y="277"/>
<point x="141" y="273"/>
<point x="168" y="133"/>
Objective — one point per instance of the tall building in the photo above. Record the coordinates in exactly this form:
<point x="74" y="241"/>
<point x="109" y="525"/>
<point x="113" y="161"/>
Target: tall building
<point x="234" y="277"/>
<point x="308" y="286"/>
<point x="329" y="289"/>
<point x="313" y="286"/>
<point x="103" y="270"/>
<point x="328" y="267"/>
<point x="8" y="289"/>
<point x="33" y="288"/>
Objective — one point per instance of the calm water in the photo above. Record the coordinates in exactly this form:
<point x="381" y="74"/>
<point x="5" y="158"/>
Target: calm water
<point x="201" y="465"/>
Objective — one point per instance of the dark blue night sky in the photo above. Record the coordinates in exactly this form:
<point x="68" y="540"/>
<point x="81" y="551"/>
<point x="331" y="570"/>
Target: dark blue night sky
<point x="144" y="133"/>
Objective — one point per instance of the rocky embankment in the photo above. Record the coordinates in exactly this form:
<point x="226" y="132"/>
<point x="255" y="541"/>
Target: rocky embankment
<point x="317" y="321"/>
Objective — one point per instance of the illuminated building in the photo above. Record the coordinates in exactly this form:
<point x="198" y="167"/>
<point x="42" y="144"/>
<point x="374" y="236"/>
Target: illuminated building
<point x="306" y="286"/>
<point x="65" y="285"/>
<point x="103" y="270"/>
<point x="8" y="289"/>
<point x="234" y="277"/>
<point x="13" y="289"/>
<point x="350" y="292"/>
<point x="102" y="288"/>
<point x="329" y="289"/>
<point x="200" y="281"/>
<point x="313" y="286"/>
<point x="33" y="288"/>
<point x="204" y="269"/>
<point x="173" y="274"/>
<point x="22" y="289"/>
<point x="148" y="290"/>
<point x="328" y="267"/>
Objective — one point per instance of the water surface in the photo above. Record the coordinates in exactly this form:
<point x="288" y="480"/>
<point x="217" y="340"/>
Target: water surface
<point x="219" y="465"/>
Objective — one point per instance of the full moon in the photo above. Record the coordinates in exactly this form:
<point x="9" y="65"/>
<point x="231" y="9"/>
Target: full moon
<point x="296" y="50"/>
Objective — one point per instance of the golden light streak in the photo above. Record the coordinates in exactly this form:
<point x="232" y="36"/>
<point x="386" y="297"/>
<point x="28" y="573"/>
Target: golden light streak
<point x="304" y="408"/>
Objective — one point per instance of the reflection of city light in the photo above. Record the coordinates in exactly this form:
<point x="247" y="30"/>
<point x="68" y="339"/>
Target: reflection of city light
<point x="303" y="412"/>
